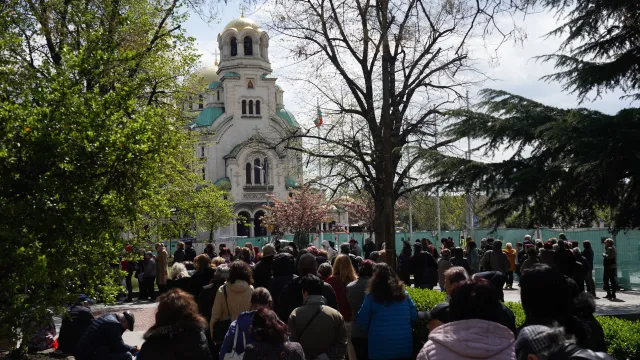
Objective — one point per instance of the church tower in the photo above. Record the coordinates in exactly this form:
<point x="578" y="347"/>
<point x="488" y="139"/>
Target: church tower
<point x="241" y="118"/>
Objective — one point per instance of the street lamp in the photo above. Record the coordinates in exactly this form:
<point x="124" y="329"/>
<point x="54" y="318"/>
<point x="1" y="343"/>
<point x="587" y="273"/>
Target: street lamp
<point x="266" y="180"/>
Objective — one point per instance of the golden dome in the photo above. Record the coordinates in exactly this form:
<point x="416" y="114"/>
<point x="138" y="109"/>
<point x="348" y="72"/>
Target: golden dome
<point x="242" y="23"/>
<point x="209" y="73"/>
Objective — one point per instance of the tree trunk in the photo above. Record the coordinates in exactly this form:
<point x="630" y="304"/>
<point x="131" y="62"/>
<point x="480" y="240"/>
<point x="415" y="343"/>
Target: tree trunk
<point x="301" y="239"/>
<point x="385" y="169"/>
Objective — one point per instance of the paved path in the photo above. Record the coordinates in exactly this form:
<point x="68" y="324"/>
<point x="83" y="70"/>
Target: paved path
<point x="627" y="302"/>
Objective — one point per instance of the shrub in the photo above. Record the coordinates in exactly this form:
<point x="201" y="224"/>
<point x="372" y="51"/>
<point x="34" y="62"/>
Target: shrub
<point x="426" y="299"/>
<point x="621" y="336"/>
<point x="518" y="311"/>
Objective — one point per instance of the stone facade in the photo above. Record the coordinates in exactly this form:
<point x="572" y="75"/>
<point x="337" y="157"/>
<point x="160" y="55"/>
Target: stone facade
<point x="241" y="118"/>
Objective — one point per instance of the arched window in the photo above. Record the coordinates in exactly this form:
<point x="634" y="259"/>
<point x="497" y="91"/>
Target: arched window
<point x="257" y="107"/>
<point x="256" y="171"/>
<point x="234" y="47"/>
<point x="204" y="174"/>
<point x="265" y="165"/>
<point x="247" y="171"/>
<point x="244" y="107"/>
<point x="250" y="107"/>
<point x="248" y="46"/>
<point x="218" y="94"/>
<point x="200" y="102"/>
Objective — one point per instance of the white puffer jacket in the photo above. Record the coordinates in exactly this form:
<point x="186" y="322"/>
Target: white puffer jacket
<point x="469" y="339"/>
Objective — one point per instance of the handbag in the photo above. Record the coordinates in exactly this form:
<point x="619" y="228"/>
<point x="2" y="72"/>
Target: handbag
<point x="222" y="326"/>
<point x="233" y="355"/>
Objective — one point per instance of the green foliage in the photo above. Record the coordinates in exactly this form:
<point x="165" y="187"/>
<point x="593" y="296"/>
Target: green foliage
<point x="572" y="153"/>
<point x="518" y="311"/>
<point x="621" y="336"/>
<point x="600" y="51"/>
<point x="92" y="144"/>
<point x="426" y="299"/>
<point x="452" y="211"/>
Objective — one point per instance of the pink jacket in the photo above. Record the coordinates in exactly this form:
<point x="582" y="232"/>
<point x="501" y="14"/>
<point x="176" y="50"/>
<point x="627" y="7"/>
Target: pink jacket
<point x="469" y="339"/>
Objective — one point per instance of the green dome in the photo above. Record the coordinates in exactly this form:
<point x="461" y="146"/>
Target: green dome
<point x="290" y="183"/>
<point x="223" y="183"/>
<point x="208" y="116"/>
<point x="230" y="74"/>
<point x="287" y="116"/>
<point x="215" y="85"/>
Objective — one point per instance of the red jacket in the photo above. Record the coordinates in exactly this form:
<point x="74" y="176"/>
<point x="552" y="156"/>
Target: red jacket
<point x="341" y="295"/>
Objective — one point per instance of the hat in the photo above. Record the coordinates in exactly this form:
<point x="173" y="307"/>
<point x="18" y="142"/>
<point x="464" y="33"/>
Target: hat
<point x="562" y="236"/>
<point x="130" y="319"/>
<point x="82" y="298"/>
<point x="537" y="340"/>
<point x="268" y="250"/>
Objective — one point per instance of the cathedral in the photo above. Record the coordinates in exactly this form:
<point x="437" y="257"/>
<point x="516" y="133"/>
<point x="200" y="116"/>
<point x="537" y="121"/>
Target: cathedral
<point x="240" y="119"/>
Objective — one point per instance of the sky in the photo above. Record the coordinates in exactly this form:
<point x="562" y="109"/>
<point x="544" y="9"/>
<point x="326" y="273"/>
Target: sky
<point x="515" y="70"/>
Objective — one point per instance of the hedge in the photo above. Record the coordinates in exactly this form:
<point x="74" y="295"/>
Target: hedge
<point x="621" y="336"/>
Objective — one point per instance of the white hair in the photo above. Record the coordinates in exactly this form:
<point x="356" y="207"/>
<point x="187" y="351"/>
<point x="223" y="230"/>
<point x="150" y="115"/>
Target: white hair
<point x="178" y="271"/>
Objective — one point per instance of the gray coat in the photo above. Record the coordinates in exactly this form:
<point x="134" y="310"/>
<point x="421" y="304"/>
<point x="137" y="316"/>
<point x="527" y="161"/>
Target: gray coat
<point x="149" y="268"/>
<point x="356" y="291"/>
<point x="443" y="265"/>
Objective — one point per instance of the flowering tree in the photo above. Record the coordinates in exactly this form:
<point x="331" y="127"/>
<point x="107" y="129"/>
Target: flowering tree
<point x="362" y="210"/>
<point x="303" y="211"/>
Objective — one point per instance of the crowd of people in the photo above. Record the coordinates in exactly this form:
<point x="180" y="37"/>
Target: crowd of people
<point x="281" y="302"/>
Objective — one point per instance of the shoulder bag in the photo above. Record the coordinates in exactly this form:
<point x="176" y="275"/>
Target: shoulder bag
<point x="222" y="326"/>
<point x="233" y="355"/>
<point x="309" y="322"/>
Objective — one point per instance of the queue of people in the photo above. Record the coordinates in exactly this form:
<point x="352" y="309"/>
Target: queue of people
<point x="361" y="310"/>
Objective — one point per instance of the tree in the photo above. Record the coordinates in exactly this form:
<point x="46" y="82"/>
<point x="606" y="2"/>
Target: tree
<point x="302" y="212"/>
<point x="384" y="70"/>
<point x="362" y="211"/>
<point x="600" y="50"/>
<point x="581" y="161"/>
<point x="91" y="136"/>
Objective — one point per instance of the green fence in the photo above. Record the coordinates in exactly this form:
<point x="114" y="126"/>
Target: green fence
<point x="627" y="244"/>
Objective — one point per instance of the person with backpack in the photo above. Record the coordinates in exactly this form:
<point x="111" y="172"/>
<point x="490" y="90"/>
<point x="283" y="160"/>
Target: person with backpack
<point x="272" y="339"/>
<point x="239" y="334"/>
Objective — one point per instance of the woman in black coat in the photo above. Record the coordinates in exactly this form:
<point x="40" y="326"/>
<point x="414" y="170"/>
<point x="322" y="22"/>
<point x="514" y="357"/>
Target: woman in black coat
<point x="178" y="332"/>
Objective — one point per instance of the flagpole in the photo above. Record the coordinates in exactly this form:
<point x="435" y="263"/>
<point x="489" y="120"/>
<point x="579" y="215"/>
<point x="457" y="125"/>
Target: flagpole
<point x="319" y="164"/>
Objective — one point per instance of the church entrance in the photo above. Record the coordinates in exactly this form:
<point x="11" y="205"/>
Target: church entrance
<point x="244" y="219"/>
<point x="258" y="230"/>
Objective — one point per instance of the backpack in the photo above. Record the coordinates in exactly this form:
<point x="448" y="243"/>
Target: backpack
<point x="233" y="355"/>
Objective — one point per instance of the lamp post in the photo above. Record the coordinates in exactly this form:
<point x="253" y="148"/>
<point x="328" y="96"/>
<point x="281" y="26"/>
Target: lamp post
<point x="266" y="180"/>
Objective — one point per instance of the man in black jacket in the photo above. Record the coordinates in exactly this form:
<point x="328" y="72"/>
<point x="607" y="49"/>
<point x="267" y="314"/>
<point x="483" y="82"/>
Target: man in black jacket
<point x="74" y="324"/>
<point x="368" y="247"/>
<point x="345" y="249"/>
<point x="291" y="296"/>
<point x="424" y="268"/>
<point x="189" y="252"/>
<point x="103" y="339"/>
<point x="283" y="269"/>
<point x="262" y="271"/>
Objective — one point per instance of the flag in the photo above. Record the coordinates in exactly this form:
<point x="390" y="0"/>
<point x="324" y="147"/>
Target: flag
<point x="318" y="121"/>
